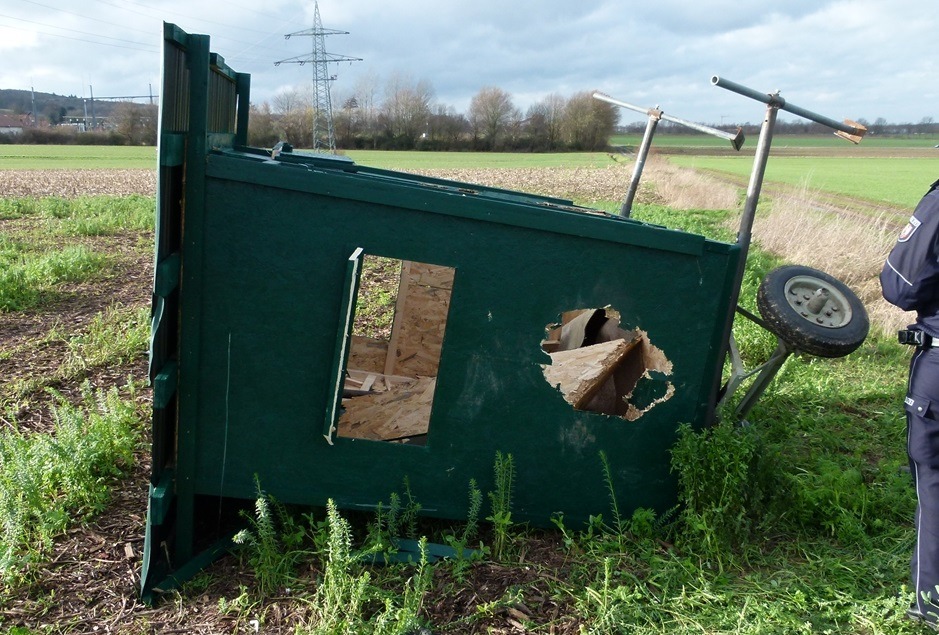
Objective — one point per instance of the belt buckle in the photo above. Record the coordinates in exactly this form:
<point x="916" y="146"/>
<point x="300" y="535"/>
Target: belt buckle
<point x="914" y="338"/>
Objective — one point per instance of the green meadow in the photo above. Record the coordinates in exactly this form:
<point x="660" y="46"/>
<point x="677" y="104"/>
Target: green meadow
<point x="896" y="180"/>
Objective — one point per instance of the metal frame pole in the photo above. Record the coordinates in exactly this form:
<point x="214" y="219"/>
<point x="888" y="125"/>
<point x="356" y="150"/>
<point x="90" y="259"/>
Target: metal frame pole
<point x="774" y="102"/>
<point x="655" y="115"/>
<point x="626" y="209"/>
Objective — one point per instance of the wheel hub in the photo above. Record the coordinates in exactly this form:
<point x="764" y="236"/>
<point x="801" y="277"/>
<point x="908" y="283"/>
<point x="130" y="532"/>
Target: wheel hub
<point x="817" y="302"/>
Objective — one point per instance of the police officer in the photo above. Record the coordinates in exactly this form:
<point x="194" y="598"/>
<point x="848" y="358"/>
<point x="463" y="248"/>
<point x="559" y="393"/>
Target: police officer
<point x="910" y="280"/>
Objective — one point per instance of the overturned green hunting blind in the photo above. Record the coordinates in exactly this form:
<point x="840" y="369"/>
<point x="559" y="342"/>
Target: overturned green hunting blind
<point x="522" y="324"/>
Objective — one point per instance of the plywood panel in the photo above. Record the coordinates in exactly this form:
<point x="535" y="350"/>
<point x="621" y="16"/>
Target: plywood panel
<point x="420" y="320"/>
<point x="400" y="412"/>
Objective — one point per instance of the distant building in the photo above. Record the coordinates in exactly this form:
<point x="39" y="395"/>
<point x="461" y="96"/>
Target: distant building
<point x="13" y="124"/>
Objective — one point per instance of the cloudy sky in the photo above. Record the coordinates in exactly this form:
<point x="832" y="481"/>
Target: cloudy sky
<point x="843" y="58"/>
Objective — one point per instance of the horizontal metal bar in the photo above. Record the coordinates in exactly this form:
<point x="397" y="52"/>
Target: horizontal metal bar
<point x="776" y="100"/>
<point x="736" y="139"/>
<point x="623" y="104"/>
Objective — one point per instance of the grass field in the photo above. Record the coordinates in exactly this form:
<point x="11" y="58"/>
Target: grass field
<point x="42" y="157"/>
<point x="899" y="180"/>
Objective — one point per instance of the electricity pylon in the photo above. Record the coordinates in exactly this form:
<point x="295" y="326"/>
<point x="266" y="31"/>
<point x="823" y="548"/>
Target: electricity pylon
<point x="323" y="136"/>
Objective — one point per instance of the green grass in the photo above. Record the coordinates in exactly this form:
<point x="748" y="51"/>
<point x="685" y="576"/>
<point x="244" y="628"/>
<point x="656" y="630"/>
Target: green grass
<point x="48" y="482"/>
<point x="58" y="157"/>
<point x="84" y="215"/>
<point x="899" y="181"/>
<point x="28" y="275"/>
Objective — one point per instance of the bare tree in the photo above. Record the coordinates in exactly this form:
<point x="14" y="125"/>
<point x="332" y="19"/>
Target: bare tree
<point x="294" y="110"/>
<point x="261" y="129"/>
<point x="545" y="121"/>
<point x="446" y="125"/>
<point x="136" y="123"/>
<point x="406" y="109"/>
<point x="491" y="112"/>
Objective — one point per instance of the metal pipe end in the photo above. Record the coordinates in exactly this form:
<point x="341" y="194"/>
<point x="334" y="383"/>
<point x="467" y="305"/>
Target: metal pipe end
<point x="715" y="80"/>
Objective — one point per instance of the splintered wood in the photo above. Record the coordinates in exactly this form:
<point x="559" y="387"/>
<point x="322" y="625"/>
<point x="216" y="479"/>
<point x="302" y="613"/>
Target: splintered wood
<point x="399" y="412"/>
<point x="581" y="372"/>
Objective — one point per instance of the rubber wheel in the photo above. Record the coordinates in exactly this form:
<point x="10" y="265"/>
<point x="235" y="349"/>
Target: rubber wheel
<point x="812" y="311"/>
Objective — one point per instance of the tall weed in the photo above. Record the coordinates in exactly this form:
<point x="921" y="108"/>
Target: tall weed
<point x="501" y="503"/>
<point x="345" y="590"/>
<point x="272" y="544"/>
<point x="48" y="481"/>
<point x="725" y="479"/>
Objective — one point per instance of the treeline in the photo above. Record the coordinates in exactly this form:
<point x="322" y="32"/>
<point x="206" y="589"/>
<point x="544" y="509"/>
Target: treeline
<point x="127" y="124"/>
<point x="405" y="116"/>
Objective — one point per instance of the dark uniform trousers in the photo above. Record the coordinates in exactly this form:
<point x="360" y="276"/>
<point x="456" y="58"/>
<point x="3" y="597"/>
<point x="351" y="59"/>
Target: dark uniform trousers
<point x="922" y="416"/>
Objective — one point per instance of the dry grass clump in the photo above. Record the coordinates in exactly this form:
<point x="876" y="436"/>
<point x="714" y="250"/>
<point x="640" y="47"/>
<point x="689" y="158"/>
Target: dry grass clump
<point x="75" y="183"/>
<point x="851" y="247"/>
<point x="681" y="188"/>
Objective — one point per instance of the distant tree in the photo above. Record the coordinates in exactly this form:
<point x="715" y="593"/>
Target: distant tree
<point x="136" y="123"/>
<point x="261" y="129"/>
<point x="589" y="122"/>
<point x="491" y="113"/>
<point x="294" y="116"/>
<point x="446" y="127"/>
<point x="545" y="119"/>
<point x="347" y="122"/>
<point x="406" y="109"/>
<point x="54" y="113"/>
<point x="366" y="91"/>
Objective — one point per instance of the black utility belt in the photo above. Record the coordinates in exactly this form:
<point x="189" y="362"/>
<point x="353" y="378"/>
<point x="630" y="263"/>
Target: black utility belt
<point x="917" y="338"/>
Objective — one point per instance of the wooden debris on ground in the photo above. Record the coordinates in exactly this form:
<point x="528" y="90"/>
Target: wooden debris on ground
<point x="400" y="411"/>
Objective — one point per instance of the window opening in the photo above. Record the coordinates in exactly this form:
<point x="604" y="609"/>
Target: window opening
<point x="600" y="367"/>
<point x="401" y="310"/>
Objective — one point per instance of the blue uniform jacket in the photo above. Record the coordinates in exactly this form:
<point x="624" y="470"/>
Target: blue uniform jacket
<point x="910" y="278"/>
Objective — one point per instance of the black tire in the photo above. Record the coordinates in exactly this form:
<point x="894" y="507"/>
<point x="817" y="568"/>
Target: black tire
<point x="812" y="311"/>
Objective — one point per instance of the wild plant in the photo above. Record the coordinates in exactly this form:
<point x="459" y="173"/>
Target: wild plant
<point x="721" y="478"/>
<point x="501" y="503"/>
<point x="272" y="544"/>
<point x="49" y="481"/>
<point x="461" y="542"/>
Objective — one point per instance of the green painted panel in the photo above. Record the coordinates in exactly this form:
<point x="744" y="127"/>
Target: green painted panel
<point x="274" y="273"/>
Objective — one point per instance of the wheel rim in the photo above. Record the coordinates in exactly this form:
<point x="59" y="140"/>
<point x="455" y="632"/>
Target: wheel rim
<point x="818" y="302"/>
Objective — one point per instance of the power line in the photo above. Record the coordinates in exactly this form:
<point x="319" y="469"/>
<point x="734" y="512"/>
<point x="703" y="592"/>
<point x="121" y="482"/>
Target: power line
<point x="62" y="28"/>
<point x="141" y="46"/>
<point x="86" y="17"/>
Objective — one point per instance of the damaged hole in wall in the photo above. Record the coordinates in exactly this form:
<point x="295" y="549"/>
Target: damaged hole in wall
<point x="600" y="367"/>
<point x="401" y="312"/>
